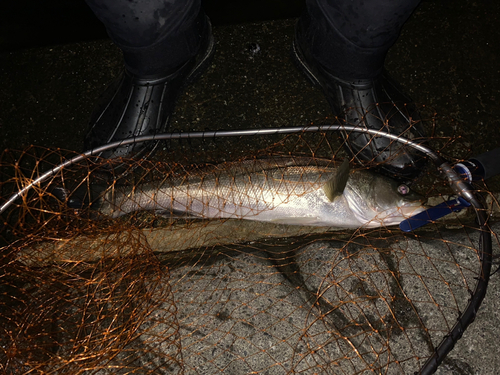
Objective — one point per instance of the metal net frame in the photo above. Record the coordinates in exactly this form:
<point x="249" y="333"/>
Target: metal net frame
<point x="86" y="294"/>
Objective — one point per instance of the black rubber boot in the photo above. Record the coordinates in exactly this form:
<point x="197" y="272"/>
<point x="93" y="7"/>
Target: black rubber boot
<point x="375" y="103"/>
<point x="134" y="105"/>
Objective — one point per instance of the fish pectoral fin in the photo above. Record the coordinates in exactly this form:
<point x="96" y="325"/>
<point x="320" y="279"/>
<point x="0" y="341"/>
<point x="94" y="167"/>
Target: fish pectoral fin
<point x="296" y="220"/>
<point x="335" y="186"/>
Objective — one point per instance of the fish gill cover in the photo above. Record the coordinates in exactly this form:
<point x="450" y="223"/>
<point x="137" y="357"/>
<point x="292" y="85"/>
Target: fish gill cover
<point x="81" y="293"/>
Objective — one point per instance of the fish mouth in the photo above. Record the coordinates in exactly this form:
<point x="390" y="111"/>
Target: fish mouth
<point x="397" y="215"/>
<point x="412" y="209"/>
<point x="407" y="212"/>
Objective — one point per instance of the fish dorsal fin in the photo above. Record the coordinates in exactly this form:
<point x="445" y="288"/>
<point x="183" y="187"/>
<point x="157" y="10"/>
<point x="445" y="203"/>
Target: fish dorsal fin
<point x="335" y="186"/>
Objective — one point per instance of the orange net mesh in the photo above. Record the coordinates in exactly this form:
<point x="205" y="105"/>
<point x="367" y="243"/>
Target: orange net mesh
<point x="144" y="294"/>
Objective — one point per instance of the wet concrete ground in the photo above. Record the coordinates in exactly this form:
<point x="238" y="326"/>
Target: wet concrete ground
<point x="447" y="58"/>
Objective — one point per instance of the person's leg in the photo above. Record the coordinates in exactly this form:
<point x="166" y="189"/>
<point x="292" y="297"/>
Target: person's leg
<point x="341" y="45"/>
<point x="165" y="45"/>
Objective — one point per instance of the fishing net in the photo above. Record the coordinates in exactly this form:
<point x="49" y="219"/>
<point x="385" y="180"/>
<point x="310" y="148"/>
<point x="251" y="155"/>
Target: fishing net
<point x="81" y="293"/>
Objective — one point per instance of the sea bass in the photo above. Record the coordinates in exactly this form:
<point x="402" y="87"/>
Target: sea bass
<point x="298" y="191"/>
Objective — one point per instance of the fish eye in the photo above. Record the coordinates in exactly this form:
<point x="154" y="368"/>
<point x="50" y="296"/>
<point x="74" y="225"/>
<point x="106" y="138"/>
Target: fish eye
<point x="403" y="189"/>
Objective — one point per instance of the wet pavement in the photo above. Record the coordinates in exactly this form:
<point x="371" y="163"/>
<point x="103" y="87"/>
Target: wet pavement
<point x="448" y="59"/>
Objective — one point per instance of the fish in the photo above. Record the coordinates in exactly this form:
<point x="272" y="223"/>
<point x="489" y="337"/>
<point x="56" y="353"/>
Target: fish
<point x="282" y="190"/>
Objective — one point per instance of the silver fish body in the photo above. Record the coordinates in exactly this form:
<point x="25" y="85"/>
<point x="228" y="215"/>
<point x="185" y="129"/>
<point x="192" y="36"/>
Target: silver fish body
<point x="280" y="190"/>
